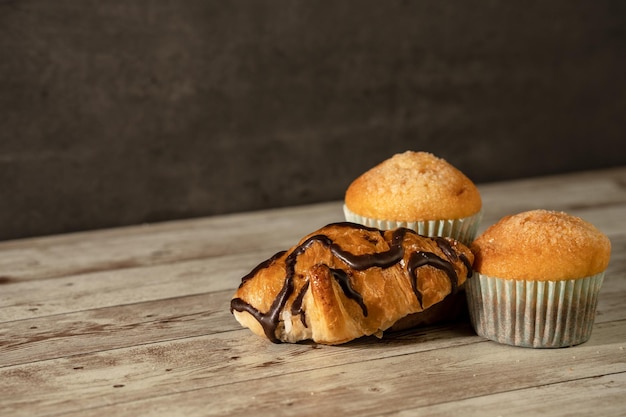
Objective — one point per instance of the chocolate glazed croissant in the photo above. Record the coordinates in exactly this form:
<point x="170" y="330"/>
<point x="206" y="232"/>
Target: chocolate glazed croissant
<point x="345" y="281"/>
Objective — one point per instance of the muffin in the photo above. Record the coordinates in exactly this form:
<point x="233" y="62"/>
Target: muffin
<point x="537" y="275"/>
<point x="422" y="192"/>
<point x="419" y="191"/>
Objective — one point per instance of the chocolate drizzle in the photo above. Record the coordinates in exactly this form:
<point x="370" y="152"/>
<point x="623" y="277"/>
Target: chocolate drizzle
<point x="370" y="260"/>
<point x="419" y="259"/>
<point x="296" y="307"/>
<point x="468" y="265"/>
<point x="452" y="255"/>
<point x="270" y="319"/>
<point x="344" y="282"/>
<point x="445" y="247"/>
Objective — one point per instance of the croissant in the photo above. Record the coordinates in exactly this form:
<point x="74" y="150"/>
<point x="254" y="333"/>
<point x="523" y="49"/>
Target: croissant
<point x="345" y="281"/>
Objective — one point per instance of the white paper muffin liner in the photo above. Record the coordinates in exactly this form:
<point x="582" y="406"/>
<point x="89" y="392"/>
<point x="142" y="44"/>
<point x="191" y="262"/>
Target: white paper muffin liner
<point x="463" y="230"/>
<point x="538" y="314"/>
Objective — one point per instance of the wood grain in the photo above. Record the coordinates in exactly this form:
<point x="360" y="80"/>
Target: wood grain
<point x="383" y="377"/>
<point x="94" y="324"/>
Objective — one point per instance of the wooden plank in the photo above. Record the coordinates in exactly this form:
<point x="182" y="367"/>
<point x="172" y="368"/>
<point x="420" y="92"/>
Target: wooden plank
<point x="162" y="243"/>
<point x="219" y="375"/>
<point x="23" y="300"/>
<point x="91" y="331"/>
<point x="570" y="192"/>
<point x="603" y="396"/>
<point x="192" y="363"/>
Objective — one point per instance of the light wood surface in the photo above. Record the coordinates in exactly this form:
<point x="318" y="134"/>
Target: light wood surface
<point x="135" y="321"/>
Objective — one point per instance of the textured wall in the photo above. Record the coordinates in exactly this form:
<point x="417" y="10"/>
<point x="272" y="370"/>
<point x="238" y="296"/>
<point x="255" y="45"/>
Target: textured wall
<point x="123" y="112"/>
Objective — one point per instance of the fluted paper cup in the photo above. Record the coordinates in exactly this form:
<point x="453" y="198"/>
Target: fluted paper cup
<point x="537" y="314"/>
<point x="464" y="230"/>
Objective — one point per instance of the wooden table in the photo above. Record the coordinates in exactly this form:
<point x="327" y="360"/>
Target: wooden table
<point x="135" y="321"/>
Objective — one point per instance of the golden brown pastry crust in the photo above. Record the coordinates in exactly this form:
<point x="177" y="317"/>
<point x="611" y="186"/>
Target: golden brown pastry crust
<point x="541" y="245"/>
<point x="345" y="281"/>
<point x="413" y="186"/>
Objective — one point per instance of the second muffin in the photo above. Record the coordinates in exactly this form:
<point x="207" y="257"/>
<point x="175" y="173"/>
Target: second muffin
<point x="419" y="191"/>
<point x="537" y="278"/>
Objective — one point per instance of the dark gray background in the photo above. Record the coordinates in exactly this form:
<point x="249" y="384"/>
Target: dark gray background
<point x="122" y="112"/>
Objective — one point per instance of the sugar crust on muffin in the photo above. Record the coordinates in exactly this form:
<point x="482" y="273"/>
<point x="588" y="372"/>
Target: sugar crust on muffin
<point x="413" y="186"/>
<point x="541" y="245"/>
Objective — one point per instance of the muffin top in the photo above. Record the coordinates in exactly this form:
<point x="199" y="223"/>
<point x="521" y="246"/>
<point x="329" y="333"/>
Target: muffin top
<point x="413" y="186"/>
<point x="541" y="245"/>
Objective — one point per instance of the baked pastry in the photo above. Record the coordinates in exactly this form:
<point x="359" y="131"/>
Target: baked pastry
<point x="345" y="281"/>
<point x="419" y="191"/>
<point x="537" y="278"/>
